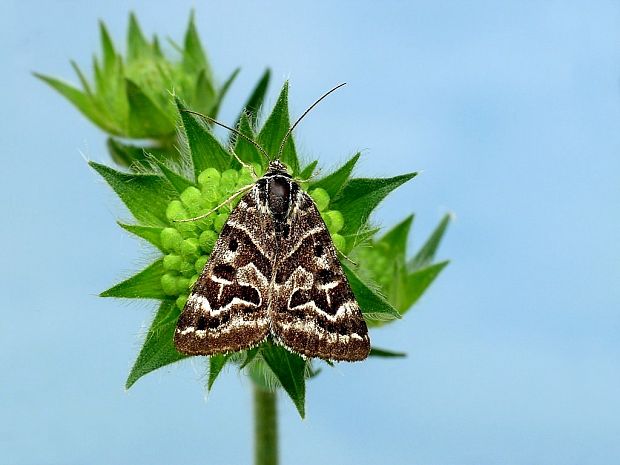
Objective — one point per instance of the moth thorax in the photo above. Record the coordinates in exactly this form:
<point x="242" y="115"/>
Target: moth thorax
<point x="276" y="166"/>
<point x="279" y="199"/>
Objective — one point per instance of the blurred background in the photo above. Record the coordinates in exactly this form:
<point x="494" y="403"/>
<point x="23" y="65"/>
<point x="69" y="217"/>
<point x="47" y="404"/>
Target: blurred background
<point x="512" y="111"/>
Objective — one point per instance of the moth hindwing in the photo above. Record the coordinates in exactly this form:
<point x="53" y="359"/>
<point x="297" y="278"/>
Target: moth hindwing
<point x="274" y="271"/>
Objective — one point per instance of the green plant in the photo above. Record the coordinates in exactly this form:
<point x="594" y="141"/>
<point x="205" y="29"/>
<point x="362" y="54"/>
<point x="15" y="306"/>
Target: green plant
<point x="385" y="283"/>
<point x="187" y="171"/>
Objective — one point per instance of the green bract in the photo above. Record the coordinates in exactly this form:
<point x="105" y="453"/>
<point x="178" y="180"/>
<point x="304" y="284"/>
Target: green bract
<point x="385" y="282"/>
<point x="131" y="96"/>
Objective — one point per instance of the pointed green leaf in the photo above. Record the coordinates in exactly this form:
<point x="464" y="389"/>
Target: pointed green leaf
<point x="157" y="47"/>
<point x="145" y="118"/>
<point x="139" y="159"/>
<point x="250" y="355"/>
<point x="261" y="374"/>
<point x="359" y="238"/>
<point x="145" y="195"/>
<point x="216" y="365"/>
<point x="158" y="349"/>
<point x="394" y="243"/>
<point x="222" y="93"/>
<point x="334" y="182"/>
<point x="82" y="78"/>
<point x="427" y="252"/>
<point x="204" y="93"/>
<point x="137" y="45"/>
<point x="144" y="285"/>
<point x="360" y="196"/>
<point x="313" y="372"/>
<point x="110" y="93"/>
<point x="289" y="369"/>
<point x="126" y="155"/>
<point x="372" y="304"/>
<point x="194" y="57"/>
<point x="151" y="234"/>
<point x="376" y="352"/>
<point x="100" y="79"/>
<point x="205" y="149"/>
<point x="393" y="248"/>
<point x="254" y="102"/>
<point x="274" y="130"/>
<point x="308" y="170"/>
<point x="176" y="180"/>
<point x="107" y="49"/>
<point x="245" y="150"/>
<point x="81" y="100"/>
<point x="417" y="282"/>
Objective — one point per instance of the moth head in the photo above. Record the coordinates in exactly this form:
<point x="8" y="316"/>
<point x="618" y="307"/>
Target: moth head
<point x="276" y="166"/>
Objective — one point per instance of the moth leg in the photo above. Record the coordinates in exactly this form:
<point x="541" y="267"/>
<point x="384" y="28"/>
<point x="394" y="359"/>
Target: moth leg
<point x="346" y="257"/>
<point x="243" y="190"/>
<point x="245" y="165"/>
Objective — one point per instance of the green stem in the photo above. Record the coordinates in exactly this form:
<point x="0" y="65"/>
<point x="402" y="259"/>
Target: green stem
<point x="265" y="427"/>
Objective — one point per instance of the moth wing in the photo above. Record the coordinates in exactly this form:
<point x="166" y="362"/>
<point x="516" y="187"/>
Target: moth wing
<point x="227" y="308"/>
<point x="314" y="311"/>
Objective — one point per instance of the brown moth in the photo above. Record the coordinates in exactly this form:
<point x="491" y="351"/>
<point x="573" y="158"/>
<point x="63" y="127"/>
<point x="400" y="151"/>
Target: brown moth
<point x="274" y="271"/>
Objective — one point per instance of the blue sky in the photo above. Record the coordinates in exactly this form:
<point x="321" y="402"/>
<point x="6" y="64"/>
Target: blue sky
<point x="512" y="112"/>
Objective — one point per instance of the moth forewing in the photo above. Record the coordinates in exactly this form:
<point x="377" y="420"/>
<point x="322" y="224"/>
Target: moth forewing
<point x="227" y="308"/>
<point x="313" y="310"/>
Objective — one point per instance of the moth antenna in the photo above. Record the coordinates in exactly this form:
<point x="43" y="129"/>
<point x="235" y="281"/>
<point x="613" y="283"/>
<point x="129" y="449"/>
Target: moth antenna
<point x="292" y="128"/>
<point x="235" y="131"/>
<point x="210" y="212"/>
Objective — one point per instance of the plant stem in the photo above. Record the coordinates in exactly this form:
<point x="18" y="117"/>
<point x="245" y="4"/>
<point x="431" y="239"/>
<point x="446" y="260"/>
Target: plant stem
<point x="265" y="427"/>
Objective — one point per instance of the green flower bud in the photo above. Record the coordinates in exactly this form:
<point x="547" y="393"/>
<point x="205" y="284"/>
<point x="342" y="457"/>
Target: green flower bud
<point x="176" y="211"/>
<point x="207" y="240"/>
<point x="339" y="241"/>
<point x="189" y="247"/>
<point x="230" y="176"/>
<point x="327" y="220"/>
<point x="170" y="239"/>
<point x="210" y="194"/>
<point x="245" y="178"/>
<point x="336" y="220"/>
<point x="321" y="198"/>
<point x="187" y="268"/>
<point x="228" y="182"/>
<point x="187" y="229"/>
<point x="169" y="284"/>
<point x="193" y="280"/>
<point x="220" y="219"/>
<point x="182" y="285"/>
<point x="209" y="177"/>
<point x="200" y="264"/>
<point x="172" y="262"/>
<point x="181" y="301"/>
<point x="206" y="222"/>
<point x="192" y="199"/>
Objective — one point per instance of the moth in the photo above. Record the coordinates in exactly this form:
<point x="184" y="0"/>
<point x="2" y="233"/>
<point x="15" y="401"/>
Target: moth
<point x="274" y="272"/>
